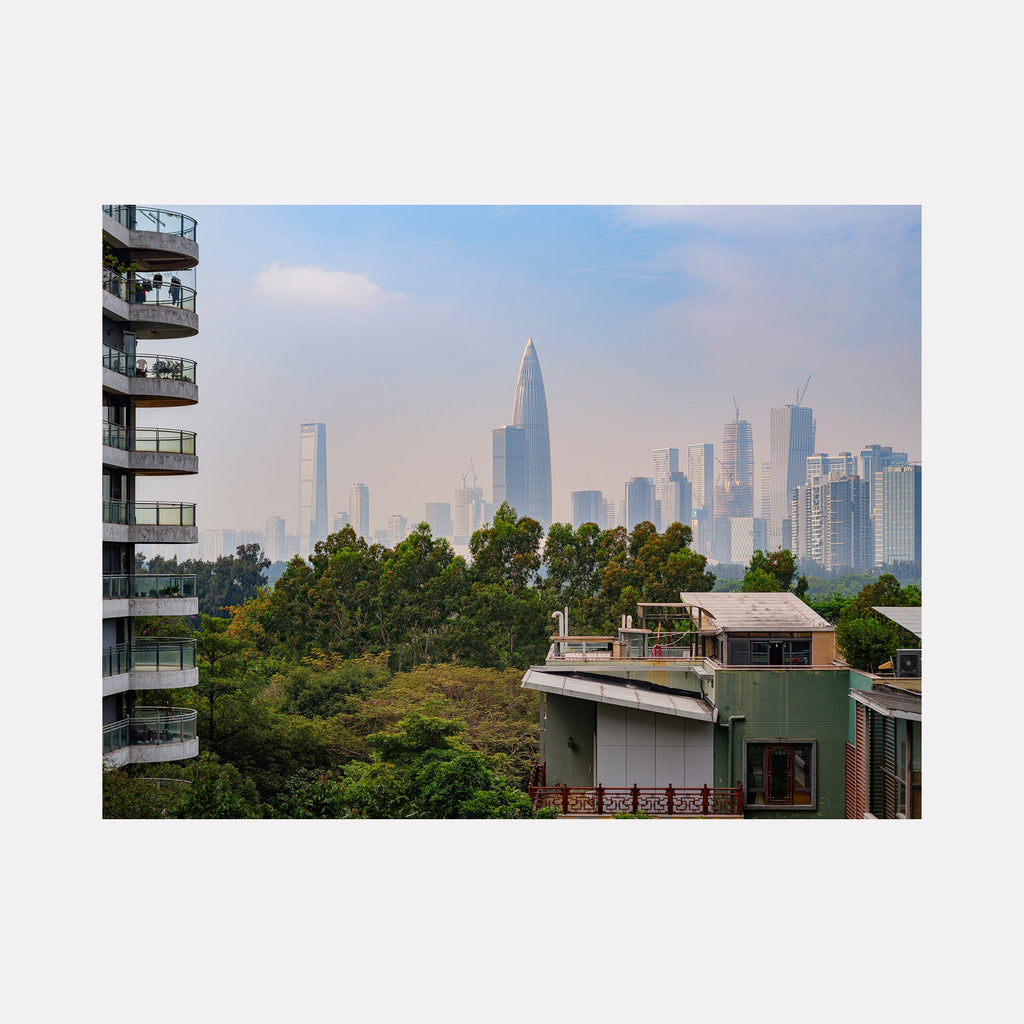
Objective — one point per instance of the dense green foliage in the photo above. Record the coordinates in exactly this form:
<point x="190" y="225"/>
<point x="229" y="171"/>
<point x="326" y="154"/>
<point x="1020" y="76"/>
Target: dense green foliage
<point x="220" y="585"/>
<point x="375" y="682"/>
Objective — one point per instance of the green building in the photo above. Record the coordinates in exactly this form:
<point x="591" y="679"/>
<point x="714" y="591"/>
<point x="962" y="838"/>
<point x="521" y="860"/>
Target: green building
<point x="720" y="704"/>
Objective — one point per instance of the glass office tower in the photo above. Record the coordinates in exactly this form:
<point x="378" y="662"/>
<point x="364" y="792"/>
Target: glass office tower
<point x="312" y="486"/>
<point x="530" y="411"/>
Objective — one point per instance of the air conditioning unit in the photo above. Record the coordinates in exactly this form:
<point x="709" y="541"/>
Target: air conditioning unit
<point x="908" y="663"/>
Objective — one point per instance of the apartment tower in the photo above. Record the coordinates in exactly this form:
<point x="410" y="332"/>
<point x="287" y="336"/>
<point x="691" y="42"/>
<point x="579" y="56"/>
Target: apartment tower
<point x="146" y="303"/>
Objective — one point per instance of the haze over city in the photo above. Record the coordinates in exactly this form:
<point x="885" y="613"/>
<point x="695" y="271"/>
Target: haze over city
<point x="401" y="329"/>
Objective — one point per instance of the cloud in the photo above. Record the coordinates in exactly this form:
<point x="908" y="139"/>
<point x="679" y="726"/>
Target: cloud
<point x="310" y="284"/>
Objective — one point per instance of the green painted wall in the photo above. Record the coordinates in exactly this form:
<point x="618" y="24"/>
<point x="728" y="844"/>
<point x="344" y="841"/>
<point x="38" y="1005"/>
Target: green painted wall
<point x="805" y="704"/>
<point x="567" y="717"/>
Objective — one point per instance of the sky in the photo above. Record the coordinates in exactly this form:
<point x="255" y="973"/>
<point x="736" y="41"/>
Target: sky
<point x="402" y="328"/>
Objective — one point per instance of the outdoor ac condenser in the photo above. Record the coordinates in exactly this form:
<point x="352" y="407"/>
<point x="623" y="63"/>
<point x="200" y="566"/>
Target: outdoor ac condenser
<point x="908" y="663"/>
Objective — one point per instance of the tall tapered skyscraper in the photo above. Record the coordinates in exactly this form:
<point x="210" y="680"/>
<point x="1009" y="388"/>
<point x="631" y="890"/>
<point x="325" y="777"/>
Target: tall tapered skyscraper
<point x="312" y="486"/>
<point x="530" y="412"/>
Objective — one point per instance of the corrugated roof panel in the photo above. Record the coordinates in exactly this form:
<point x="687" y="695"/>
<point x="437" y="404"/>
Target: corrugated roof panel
<point x="908" y="618"/>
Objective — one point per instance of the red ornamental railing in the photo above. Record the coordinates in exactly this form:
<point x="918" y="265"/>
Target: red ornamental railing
<point x="691" y="802"/>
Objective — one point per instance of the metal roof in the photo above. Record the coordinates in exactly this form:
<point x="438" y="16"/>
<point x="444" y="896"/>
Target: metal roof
<point x="892" y="705"/>
<point x="607" y="691"/>
<point x="758" y="612"/>
<point x="908" y="618"/>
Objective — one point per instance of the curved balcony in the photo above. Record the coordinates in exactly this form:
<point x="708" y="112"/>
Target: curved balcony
<point x="152" y="380"/>
<point x="159" y="239"/>
<point x="159" y="664"/>
<point x="150" y="451"/>
<point x="152" y="734"/>
<point x="149" y="522"/>
<point x="149" y="594"/>
<point x="156" y="307"/>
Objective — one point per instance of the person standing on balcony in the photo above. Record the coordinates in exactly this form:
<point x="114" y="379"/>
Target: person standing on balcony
<point x="175" y="292"/>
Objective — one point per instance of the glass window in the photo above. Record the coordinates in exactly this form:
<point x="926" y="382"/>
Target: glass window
<point x="779" y="774"/>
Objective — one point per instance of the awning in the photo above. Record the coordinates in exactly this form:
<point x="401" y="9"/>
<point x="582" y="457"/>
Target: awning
<point x="623" y="694"/>
<point x="892" y="705"/>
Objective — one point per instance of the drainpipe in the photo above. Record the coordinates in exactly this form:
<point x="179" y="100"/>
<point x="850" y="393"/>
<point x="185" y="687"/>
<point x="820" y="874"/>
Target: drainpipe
<point x="733" y="718"/>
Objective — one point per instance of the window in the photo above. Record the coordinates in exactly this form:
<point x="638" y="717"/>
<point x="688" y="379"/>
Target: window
<point x="779" y="773"/>
<point x="774" y="652"/>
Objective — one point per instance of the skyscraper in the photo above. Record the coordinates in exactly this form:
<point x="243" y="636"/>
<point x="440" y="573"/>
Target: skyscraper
<point x="666" y="462"/>
<point x="587" y="507"/>
<point x="530" y="411"/>
<point x="700" y="470"/>
<point x="275" y="538"/>
<point x="736" y="497"/>
<point x="509" y="467"/>
<point x="312" y="486"/>
<point x="640" y="501"/>
<point x="359" y="510"/>
<point x="792" y="442"/>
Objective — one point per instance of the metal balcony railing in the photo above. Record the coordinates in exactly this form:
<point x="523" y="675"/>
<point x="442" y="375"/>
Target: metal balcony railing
<point x="168" y="654"/>
<point x="153" y="367"/>
<point x="116" y="588"/>
<point x="150" y="725"/>
<point x="149" y="439"/>
<point x="151" y="290"/>
<point x="148" y="513"/>
<point x="147" y="218"/>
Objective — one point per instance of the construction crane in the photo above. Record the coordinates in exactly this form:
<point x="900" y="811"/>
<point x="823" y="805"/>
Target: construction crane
<point x="468" y="471"/>
<point x="737" y="408"/>
<point x="800" y="394"/>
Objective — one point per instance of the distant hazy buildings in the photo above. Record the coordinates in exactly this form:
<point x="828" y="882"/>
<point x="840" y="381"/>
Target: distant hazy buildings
<point x="829" y="527"/>
<point x="640" y="501"/>
<point x="587" y="507"/>
<point x="700" y="470"/>
<point x="792" y="442"/>
<point x="747" y="534"/>
<point x="734" y="497"/>
<point x="676" y="501"/>
<point x="530" y="411"/>
<point x="874" y="459"/>
<point x="508" y="447"/>
<point x="359" y="510"/>
<point x="275" y="535"/>
<point x="340" y="521"/>
<point x="438" y="516"/>
<point x="312" y="486"/>
<point x="398" y="529"/>
<point x="821" y="464"/>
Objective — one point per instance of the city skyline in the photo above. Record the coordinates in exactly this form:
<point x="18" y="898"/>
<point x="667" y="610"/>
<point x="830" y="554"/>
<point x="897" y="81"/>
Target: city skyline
<point x="407" y="321"/>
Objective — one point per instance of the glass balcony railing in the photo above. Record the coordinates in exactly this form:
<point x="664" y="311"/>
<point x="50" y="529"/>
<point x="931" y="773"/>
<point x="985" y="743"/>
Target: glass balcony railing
<point x="150" y="725"/>
<point x="144" y="364"/>
<point x="150" y="584"/>
<point x="167" y="654"/>
<point x="151" y="290"/>
<point x="146" y="218"/>
<point x="149" y="439"/>
<point x="148" y="513"/>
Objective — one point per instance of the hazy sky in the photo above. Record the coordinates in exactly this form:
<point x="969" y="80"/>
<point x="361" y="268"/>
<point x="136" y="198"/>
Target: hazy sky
<point x="401" y="328"/>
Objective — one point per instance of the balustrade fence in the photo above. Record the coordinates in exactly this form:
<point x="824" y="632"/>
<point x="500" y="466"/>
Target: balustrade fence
<point x="688" y="802"/>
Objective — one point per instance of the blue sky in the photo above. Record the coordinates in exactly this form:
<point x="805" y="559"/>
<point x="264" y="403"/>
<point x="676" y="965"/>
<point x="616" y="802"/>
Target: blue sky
<point x="402" y="328"/>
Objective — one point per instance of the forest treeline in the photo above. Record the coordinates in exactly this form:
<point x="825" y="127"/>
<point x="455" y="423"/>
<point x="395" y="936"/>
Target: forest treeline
<point x="377" y="682"/>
